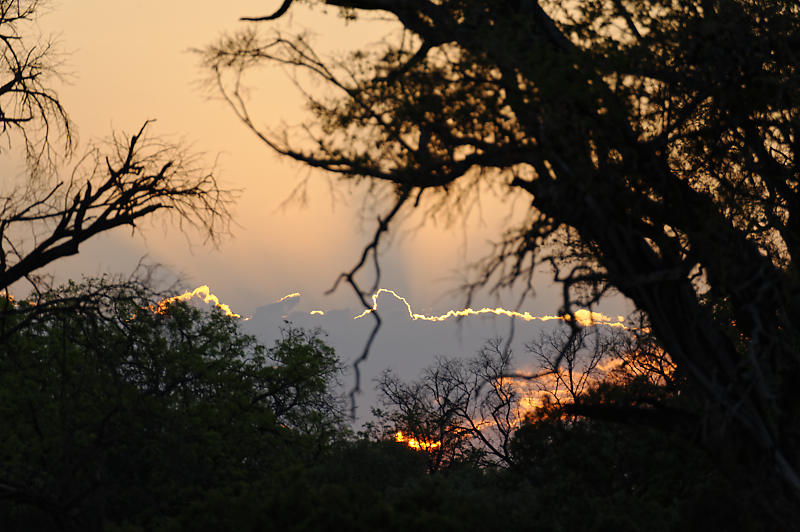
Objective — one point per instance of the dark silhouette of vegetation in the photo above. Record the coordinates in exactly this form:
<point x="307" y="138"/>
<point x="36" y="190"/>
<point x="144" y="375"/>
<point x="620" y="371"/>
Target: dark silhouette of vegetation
<point x="605" y="442"/>
<point x="655" y="141"/>
<point x="117" y="416"/>
<point x="468" y="409"/>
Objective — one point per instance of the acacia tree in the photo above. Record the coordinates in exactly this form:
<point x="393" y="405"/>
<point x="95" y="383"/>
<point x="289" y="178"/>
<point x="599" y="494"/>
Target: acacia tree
<point x="656" y="140"/>
<point x="457" y="410"/>
<point x="50" y="212"/>
<point x="569" y="362"/>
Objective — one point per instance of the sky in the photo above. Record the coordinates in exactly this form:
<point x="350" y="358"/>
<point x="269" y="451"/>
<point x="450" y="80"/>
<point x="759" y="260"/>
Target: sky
<point x="127" y="62"/>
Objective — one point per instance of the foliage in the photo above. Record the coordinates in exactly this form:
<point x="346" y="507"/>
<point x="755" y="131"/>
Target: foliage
<point x="120" y="418"/>
<point x="655" y="140"/>
<point x="606" y="442"/>
<point x="594" y="474"/>
<point x="117" y="415"/>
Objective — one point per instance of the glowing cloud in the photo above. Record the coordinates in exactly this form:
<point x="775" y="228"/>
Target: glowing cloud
<point x="201" y="291"/>
<point x="415" y="443"/>
<point x="583" y="317"/>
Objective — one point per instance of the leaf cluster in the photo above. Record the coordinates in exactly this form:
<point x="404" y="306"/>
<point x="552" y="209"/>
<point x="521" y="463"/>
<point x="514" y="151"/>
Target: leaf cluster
<point x="119" y="415"/>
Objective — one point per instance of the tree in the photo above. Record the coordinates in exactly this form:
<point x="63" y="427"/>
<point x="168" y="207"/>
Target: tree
<point x="301" y="391"/>
<point x="656" y="141"/>
<point x="470" y="410"/>
<point x="47" y="216"/>
<point x="118" y="416"/>
<point x="458" y="410"/>
<point x="589" y="435"/>
<point x="570" y="362"/>
<point x="30" y="109"/>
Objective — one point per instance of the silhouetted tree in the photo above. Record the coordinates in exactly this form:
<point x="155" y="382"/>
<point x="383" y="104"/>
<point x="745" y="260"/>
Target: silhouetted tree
<point x="570" y="362"/>
<point x="30" y="110"/>
<point x="458" y="410"/>
<point x="118" y="416"/>
<point x="656" y="142"/>
<point x="600" y="442"/>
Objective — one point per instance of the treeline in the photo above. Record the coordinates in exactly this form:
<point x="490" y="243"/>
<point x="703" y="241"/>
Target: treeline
<point x="115" y="417"/>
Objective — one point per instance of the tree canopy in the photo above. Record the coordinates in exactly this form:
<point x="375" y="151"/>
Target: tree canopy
<point x="121" y="414"/>
<point x="657" y="142"/>
<point x="118" y="416"/>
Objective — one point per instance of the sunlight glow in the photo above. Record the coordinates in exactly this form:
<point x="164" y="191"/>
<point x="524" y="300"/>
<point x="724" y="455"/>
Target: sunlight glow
<point x="201" y="291"/>
<point x="415" y="443"/>
<point x="583" y="317"/>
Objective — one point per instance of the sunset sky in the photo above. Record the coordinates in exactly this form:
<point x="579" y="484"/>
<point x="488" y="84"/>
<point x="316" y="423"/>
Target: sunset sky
<point x="128" y="62"/>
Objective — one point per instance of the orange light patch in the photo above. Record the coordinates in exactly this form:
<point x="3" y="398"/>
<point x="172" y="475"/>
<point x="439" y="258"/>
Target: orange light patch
<point x="416" y="444"/>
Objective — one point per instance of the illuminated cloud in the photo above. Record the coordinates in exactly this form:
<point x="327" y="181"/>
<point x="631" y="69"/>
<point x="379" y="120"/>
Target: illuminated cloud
<point x="201" y="291"/>
<point x="583" y="317"/>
